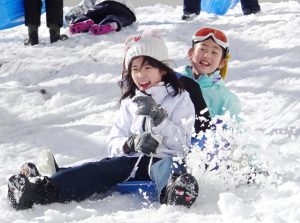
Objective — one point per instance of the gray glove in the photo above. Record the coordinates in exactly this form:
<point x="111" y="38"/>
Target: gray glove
<point x="148" y="106"/>
<point x="143" y="142"/>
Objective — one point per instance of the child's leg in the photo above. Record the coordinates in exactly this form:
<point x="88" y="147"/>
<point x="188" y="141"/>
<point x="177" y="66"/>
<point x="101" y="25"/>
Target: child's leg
<point x="162" y="171"/>
<point x="78" y="183"/>
<point x="74" y="183"/>
<point x="111" y="12"/>
<point x="174" y="185"/>
<point x="122" y="20"/>
<point x="109" y="9"/>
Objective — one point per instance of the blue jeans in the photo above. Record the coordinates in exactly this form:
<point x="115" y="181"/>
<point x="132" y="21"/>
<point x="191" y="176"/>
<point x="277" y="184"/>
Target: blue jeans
<point x="163" y="169"/>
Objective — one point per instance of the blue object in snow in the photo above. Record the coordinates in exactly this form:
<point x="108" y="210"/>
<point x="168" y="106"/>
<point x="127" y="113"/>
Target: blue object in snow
<point x="219" y="7"/>
<point x="12" y="13"/>
<point x="199" y="142"/>
<point x="141" y="187"/>
<point x="149" y="187"/>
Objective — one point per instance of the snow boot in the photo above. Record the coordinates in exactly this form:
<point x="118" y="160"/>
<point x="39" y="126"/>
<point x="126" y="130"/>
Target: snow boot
<point x="54" y="31"/>
<point x="29" y="170"/>
<point x="79" y="27"/>
<point x="189" y="16"/>
<point x="46" y="163"/>
<point x="182" y="190"/>
<point x="24" y="192"/>
<point x="33" y="36"/>
<point x="252" y="10"/>
<point x="103" y="29"/>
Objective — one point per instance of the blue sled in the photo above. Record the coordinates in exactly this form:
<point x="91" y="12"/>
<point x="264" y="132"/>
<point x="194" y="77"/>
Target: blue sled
<point x="148" y="188"/>
<point x="219" y="7"/>
<point x="12" y="13"/>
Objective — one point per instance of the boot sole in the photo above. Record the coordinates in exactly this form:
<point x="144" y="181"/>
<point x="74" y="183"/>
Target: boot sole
<point x="185" y="191"/>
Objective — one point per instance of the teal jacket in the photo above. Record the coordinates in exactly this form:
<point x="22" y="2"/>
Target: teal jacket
<point x="217" y="96"/>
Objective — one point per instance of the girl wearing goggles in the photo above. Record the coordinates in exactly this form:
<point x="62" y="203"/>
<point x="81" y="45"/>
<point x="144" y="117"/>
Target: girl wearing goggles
<point x="209" y="55"/>
<point x="209" y="52"/>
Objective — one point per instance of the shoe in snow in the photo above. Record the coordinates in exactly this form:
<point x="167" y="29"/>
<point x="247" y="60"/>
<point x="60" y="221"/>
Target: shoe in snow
<point x="188" y="16"/>
<point x="22" y="193"/>
<point x="46" y="163"/>
<point x="81" y="26"/>
<point x="33" y="36"/>
<point x="101" y="29"/>
<point x="252" y="10"/>
<point x="54" y="31"/>
<point x="182" y="191"/>
<point x="29" y="170"/>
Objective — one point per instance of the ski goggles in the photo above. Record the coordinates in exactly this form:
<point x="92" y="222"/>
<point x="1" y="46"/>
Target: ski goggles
<point x="218" y="36"/>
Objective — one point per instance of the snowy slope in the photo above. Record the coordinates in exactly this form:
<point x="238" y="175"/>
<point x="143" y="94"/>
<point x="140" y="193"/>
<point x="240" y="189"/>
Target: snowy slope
<point x="74" y="117"/>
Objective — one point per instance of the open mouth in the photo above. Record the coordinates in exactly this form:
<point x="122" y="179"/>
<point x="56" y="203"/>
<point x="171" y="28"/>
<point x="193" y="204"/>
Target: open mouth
<point x="205" y="63"/>
<point x="145" y="85"/>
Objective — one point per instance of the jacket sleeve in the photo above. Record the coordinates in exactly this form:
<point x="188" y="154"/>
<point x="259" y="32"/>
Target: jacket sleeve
<point x="120" y="130"/>
<point x="232" y="104"/>
<point x="177" y="129"/>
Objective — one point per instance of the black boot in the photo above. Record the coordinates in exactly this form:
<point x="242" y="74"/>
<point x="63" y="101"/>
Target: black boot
<point x="33" y="36"/>
<point x="251" y="10"/>
<point x="54" y="31"/>
<point x="189" y="16"/>
<point x="23" y="192"/>
<point x="29" y="170"/>
<point x="182" y="190"/>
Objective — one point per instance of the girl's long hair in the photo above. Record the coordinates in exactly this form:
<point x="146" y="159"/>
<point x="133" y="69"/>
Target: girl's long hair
<point x="128" y="86"/>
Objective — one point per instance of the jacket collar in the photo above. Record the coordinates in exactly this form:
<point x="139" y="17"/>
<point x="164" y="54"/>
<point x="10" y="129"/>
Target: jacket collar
<point x="206" y="80"/>
<point x="158" y="92"/>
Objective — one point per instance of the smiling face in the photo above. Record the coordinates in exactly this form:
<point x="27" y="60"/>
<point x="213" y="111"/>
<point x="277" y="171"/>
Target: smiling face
<point x="145" y="75"/>
<point x="206" y="57"/>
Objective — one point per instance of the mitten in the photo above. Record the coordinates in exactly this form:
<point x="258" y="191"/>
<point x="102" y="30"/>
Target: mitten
<point x="147" y="106"/>
<point x="143" y="142"/>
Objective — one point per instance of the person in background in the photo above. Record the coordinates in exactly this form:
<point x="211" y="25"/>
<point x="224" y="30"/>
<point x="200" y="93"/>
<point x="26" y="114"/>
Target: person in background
<point x="100" y="16"/>
<point x="190" y="9"/>
<point x="250" y="7"/>
<point x="54" y="16"/>
<point x="193" y="7"/>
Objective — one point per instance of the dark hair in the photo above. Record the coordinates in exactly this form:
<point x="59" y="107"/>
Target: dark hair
<point x="128" y="86"/>
<point x="224" y="51"/>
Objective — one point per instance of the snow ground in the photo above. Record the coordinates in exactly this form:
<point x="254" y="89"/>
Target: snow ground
<point x="74" y="117"/>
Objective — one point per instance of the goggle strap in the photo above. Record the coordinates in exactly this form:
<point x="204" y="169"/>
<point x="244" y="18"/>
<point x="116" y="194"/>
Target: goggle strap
<point x="202" y="38"/>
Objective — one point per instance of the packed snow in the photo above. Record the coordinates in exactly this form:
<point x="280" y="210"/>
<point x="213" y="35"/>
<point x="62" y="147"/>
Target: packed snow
<point x="74" y="116"/>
